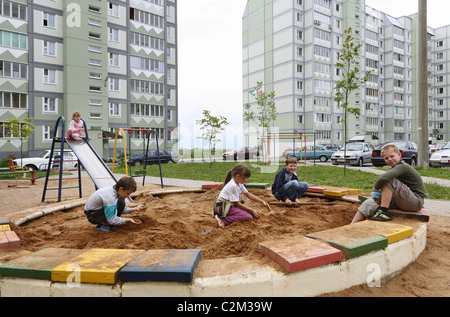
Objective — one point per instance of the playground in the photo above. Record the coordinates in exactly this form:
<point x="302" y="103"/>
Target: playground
<point x="181" y="219"/>
<point x="185" y="221"/>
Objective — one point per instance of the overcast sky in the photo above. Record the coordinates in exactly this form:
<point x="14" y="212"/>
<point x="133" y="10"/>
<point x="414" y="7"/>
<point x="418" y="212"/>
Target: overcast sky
<point x="210" y="59"/>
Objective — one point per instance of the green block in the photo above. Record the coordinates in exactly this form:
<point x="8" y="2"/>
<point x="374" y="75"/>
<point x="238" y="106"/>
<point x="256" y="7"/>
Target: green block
<point x="38" y="265"/>
<point x="257" y="185"/>
<point x="352" y="243"/>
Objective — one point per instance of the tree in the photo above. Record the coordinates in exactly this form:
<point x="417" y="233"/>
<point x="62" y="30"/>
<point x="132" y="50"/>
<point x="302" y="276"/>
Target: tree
<point x="266" y="110"/>
<point x="350" y="80"/>
<point x="211" y="127"/>
<point x="20" y="129"/>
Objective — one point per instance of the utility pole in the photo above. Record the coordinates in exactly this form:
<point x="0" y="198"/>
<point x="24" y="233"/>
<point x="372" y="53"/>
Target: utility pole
<point x="423" y="85"/>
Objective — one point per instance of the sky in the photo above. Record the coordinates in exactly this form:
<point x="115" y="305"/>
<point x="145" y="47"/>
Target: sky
<point x="210" y="60"/>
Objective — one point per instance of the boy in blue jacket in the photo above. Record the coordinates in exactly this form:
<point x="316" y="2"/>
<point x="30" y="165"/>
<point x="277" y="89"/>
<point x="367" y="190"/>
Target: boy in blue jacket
<point x="105" y="207"/>
<point x="286" y="186"/>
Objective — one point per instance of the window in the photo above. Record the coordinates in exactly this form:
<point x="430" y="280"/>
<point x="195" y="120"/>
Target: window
<point x="13" y="70"/>
<point x="94" y="22"/>
<point x="13" y="100"/>
<point x="14" y="40"/>
<point x="49" y="76"/>
<point x="114" y="109"/>
<point x="49" y="48"/>
<point x="113" y="10"/>
<point x="114" y="60"/>
<point x="49" y="105"/>
<point x="114" y="35"/>
<point x="48" y="20"/>
<point x="95" y="62"/>
<point x="146" y="18"/>
<point x="46" y="133"/>
<point x="114" y="84"/>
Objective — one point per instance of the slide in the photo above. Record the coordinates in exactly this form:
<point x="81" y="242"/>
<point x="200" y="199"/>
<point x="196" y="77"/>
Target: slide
<point x="92" y="163"/>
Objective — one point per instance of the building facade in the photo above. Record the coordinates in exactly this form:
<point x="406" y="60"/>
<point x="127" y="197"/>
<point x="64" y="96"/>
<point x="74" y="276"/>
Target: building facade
<point x="292" y="46"/>
<point x="114" y="61"/>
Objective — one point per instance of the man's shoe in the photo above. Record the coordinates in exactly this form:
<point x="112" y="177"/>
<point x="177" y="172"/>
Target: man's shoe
<point x="381" y="215"/>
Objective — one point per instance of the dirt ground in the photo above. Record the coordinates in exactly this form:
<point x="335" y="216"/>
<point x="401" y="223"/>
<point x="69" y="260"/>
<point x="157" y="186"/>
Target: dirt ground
<point x="184" y="221"/>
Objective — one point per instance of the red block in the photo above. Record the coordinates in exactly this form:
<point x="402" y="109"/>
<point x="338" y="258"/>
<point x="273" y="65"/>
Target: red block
<point x="9" y="239"/>
<point x="4" y="242"/>
<point x="211" y="185"/>
<point x="315" y="190"/>
<point x="300" y="253"/>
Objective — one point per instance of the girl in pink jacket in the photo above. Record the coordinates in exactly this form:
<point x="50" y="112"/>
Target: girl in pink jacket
<point x="75" y="127"/>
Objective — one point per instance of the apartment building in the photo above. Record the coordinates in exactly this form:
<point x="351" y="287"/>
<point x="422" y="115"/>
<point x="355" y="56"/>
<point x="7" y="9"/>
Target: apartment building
<point x="114" y="61"/>
<point x="292" y="46"/>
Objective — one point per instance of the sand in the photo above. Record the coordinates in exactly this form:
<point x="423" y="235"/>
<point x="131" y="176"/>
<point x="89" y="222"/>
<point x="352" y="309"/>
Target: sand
<point x="185" y="221"/>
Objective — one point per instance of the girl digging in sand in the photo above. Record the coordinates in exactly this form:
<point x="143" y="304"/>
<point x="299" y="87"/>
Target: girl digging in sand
<point x="228" y="207"/>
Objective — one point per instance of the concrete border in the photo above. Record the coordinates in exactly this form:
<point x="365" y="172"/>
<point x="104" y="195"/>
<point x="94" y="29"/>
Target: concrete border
<point x="380" y="265"/>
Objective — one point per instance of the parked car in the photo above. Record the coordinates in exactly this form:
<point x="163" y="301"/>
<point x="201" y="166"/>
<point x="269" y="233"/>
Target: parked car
<point x="409" y="151"/>
<point x="441" y="158"/>
<point x="331" y="146"/>
<point x="436" y="147"/>
<point x="166" y="156"/>
<point x="312" y="152"/>
<point x="41" y="162"/>
<point x="243" y="153"/>
<point x="357" y="153"/>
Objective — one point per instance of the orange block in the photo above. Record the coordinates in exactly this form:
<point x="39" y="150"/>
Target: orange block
<point x="211" y="185"/>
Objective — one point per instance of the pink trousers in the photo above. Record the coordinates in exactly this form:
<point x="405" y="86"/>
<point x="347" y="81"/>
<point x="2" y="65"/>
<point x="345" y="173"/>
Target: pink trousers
<point x="236" y="214"/>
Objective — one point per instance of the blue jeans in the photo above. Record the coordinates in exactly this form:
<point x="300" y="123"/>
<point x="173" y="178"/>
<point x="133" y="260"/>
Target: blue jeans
<point x="294" y="188"/>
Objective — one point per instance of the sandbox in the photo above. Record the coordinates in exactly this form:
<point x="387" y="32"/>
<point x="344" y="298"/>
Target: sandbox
<point x="255" y="258"/>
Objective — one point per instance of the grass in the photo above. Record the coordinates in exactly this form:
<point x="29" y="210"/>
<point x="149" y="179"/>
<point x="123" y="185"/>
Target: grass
<point x="317" y="175"/>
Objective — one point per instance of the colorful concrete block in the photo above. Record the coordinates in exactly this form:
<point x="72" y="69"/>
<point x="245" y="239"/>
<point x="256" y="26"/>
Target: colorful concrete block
<point x="38" y="265"/>
<point x="392" y="231"/>
<point x="257" y="185"/>
<point x="162" y="266"/>
<point x="9" y="239"/>
<point x="5" y="227"/>
<point x="212" y="185"/>
<point x="351" y="241"/>
<point x="95" y="266"/>
<point x="421" y="215"/>
<point x="4" y="221"/>
<point x="300" y="253"/>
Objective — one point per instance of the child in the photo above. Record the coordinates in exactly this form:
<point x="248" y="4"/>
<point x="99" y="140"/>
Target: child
<point x="229" y="208"/>
<point x="401" y="187"/>
<point x="286" y="186"/>
<point x="75" y="127"/>
<point x="107" y="204"/>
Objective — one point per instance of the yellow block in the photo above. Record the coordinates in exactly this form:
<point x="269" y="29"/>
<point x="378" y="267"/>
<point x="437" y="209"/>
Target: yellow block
<point x="337" y="193"/>
<point x="4" y="228"/>
<point x="391" y="231"/>
<point x="95" y="266"/>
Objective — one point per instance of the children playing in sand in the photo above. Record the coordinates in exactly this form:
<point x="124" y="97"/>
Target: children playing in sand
<point x="76" y="126"/>
<point x="105" y="207"/>
<point x="401" y="187"/>
<point x="228" y="207"/>
<point x="286" y="186"/>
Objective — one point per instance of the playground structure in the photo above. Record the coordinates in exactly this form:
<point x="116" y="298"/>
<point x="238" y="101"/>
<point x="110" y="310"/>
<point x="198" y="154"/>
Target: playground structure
<point x="301" y="137"/>
<point x="142" y="172"/>
<point x="87" y="157"/>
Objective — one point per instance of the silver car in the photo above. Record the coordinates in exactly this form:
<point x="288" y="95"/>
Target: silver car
<point x="358" y="153"/>
<point x="441" y="158"/>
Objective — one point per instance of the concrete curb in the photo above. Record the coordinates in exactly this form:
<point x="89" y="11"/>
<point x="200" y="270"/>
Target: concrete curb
<point x="372" y="268"/>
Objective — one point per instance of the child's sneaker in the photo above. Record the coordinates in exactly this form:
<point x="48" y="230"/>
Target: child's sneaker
<point x="105" y="228"/>
<point x="382" y="215"/>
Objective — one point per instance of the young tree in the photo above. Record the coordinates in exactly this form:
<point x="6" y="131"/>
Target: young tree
<point x="21" y="130"/>
<point x="266" y="110"/>
<point x="350" y="81"/>
<point x="211" y="127"/>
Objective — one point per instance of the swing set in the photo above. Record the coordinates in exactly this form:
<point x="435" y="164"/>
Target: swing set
<point x="142" y="172"/>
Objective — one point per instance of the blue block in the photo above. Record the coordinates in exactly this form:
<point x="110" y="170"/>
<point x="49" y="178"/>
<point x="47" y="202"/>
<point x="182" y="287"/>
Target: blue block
<point x="162" y="266"/>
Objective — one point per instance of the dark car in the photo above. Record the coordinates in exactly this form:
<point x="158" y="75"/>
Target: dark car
<point x="409" y="151"/>
<point x="243" y="153"/>
<point x="166" y="156"/>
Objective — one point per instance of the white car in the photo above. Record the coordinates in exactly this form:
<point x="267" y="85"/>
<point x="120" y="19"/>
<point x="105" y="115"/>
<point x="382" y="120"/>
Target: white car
<point x="441" y="158"/>
<point x="356" y="154"/>
<point x="41" y="162"/>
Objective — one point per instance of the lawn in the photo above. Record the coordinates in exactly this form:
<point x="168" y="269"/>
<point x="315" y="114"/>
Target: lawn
<point x="317" y="175"/>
